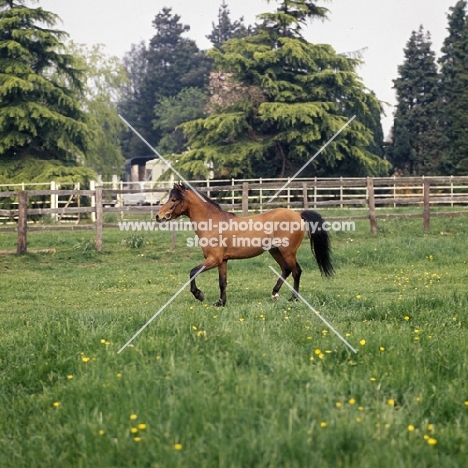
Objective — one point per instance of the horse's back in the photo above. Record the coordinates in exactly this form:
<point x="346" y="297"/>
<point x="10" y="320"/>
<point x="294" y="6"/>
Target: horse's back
<point x="278" y="214"/>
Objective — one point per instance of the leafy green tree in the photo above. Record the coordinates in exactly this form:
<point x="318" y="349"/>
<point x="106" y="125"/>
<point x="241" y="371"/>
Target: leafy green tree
<point x="171" y="62"/>
<point x="188" y="105"/>
<point x="226" y="29"/>
<point x="418" y="136"/>
<point x="454" y="71"/>
<point x="288" y="98"/>
<point x="106" y="79"/>
<point x="40" y="88"/>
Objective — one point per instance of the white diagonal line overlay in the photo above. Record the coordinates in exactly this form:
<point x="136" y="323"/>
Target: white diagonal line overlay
<point x="160" y="310"/>
<point x="160" y="157"/>
<point x="313" y="157"/>
<point x="313" y="310"/>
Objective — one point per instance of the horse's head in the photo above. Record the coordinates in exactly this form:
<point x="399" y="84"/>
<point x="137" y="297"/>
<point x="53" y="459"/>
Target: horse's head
<point x="175" y="205"/>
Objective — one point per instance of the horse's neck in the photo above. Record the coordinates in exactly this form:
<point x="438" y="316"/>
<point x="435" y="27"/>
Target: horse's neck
<point x="200" y="210"/>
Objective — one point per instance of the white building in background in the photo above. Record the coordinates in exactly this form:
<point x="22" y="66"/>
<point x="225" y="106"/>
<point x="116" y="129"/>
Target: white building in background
<point x="155" y="168"/>
<point x="143" y="172"/>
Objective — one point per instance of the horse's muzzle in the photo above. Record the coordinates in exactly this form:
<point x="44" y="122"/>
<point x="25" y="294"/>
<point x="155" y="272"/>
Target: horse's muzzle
<point x="166" y="217"/>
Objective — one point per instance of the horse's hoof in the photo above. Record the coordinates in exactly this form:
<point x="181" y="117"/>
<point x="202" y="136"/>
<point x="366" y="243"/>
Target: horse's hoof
<point x="219" y="303"/>
<point x="199" y="295"/>
<point x="292" y="299"/>
<point x="275" y="296"/>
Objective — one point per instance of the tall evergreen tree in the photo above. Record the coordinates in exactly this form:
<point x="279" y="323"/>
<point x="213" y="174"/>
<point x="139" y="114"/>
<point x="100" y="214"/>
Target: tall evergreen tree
<point x="171" y="63"/>
<point x="418" y="137"/>
<point x="40" y="86"/>
<point x="399" y="152"/>
<point x="226" y="29"/>
<point x="454" y="70"/>
<point x="289" y="97"/>
<point x="131" y="105"/>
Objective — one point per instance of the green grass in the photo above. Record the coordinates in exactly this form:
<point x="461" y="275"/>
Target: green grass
<point x="241" y="386"/>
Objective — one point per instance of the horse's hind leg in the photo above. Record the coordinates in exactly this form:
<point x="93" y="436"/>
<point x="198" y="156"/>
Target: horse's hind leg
<point x="288" y="264"/>
<point x="290" y="260"/>
<point x="296" y="272"/>
<point x="285" y="271"/>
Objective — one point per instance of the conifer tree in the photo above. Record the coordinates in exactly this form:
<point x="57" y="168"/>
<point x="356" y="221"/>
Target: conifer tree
<point x="418" y="135"/>
<point x="226" y="29"/>
<point x="171" y="62"/>
<point x="290" y="98"/>
<point x="454" y="70"/>
<point x="40" y="86"/>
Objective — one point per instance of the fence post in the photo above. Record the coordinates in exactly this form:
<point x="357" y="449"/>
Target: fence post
<point x="54" y="200"/>
<point x="315" y="192"/>
<point x="261" y="197"/>
<point x="22" y="228"/>
<point x="371" y="202"/>
<point x="99" y="218"/>
<point x="451" y="190"/>
<point x="341" y="191"/>
<point x="245" y="198"/>
<point x="173" y="236"/>
<point x="92" y="187"/>
<point x="426" y="199"/>
<point x="304" y="194"/>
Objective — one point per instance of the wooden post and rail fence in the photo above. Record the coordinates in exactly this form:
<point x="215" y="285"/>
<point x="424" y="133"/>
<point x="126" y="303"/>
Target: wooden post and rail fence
<point x="249" y="196"/>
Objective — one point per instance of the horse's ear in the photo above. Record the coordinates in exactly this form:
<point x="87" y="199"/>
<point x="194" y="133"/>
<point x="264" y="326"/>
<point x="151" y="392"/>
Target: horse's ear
<point x="180" y="187"/>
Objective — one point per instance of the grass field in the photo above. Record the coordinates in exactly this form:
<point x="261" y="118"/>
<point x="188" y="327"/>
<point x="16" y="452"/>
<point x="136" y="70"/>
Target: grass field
<point x="255" y="384"/>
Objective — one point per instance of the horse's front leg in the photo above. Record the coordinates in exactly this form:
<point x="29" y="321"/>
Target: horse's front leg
<point x="222" y="270"/>
<point x="208" y="264"/>
<point x="193" y="286"/>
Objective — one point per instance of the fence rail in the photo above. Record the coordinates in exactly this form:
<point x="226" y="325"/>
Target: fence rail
<point x="244" y="197"/>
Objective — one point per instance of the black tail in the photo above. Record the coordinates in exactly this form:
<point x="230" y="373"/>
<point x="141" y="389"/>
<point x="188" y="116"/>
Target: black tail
<point x="319" y="241"/>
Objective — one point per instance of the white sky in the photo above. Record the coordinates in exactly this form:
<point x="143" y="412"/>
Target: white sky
<point x="383" y="26"/>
